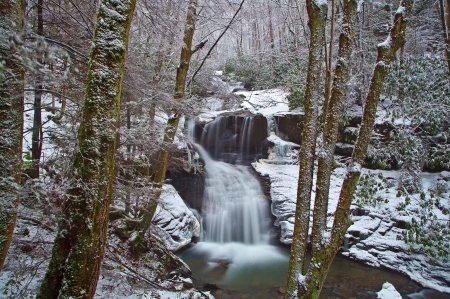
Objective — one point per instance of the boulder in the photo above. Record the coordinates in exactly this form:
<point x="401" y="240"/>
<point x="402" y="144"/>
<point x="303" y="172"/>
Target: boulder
<point x="174" y="223"/>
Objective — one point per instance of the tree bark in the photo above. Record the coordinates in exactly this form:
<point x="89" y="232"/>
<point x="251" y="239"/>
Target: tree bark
<point x="328" y="62"/>
<point x="317" y="22"/>
<point x="36" y="138"/>
<point x="445" y="20"/>
<point x="78" y="250"/>
<point x="321" y="259"/>
<point x="11" y="118"/>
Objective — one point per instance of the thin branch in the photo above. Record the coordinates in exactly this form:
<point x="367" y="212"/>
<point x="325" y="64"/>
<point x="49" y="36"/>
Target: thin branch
<point x="66" y="46"/>
<point x="52" y="92"/>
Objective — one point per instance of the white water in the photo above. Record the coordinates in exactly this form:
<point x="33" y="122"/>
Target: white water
<point x="234" y="250"/>
<point x="234" y="208"/>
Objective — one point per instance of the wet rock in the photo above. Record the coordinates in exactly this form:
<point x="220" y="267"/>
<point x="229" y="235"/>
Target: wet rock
<point x="344" y="149"/>
<point x="210" y="287"/>
<point x="282" y="290"/>
<point x="238" y="137"/>
<point x="289" y="127"/>
<point x="189" y="185"/>
<point x="26" y="247"/>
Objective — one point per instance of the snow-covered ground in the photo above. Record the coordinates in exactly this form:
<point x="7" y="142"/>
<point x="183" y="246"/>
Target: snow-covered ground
<point x="30" y="252"/>
<point x="374" y="237"/>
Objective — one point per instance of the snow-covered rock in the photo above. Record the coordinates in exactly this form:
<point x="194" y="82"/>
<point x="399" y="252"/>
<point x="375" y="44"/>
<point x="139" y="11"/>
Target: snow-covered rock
<point x="174" y="223"/>
<point x="388" y="291"/>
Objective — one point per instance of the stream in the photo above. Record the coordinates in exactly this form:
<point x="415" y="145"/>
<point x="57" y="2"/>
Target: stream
<point x="235" y="258"/>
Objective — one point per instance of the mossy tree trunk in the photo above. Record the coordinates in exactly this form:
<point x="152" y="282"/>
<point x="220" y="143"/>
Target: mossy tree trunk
<point x="317" y="13"/>
<point x="324" y="250"/>
<point x="11" y="118"/>
<point x="172" y="123"/>
<point x="78" y="250"/>
<point x="333" y="117"/>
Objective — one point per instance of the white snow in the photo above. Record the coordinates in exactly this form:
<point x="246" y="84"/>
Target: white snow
<point x="265" y="102"/>
<point x="175" y="222"/>
<point x="386" y="43"/>
<point x="388" y="291"/>
<point x="163" y="294"/>
<point x="401" y="10"/>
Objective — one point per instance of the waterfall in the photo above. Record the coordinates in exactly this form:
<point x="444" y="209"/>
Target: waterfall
<point x="234" y="248"/>
<point x="246" y="133"/>
<point x="237" y="139"/>
<point x="234" y="208"/>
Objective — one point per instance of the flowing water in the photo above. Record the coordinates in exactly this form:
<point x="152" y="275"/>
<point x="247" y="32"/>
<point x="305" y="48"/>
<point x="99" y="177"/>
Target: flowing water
<point x="235" y="259"/>
<point x="234" y="208"/>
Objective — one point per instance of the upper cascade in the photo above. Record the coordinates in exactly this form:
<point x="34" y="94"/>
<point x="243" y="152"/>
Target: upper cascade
<point x="235" y="138"/>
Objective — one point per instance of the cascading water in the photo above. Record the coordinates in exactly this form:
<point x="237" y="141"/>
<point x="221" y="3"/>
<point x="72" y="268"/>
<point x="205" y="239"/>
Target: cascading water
<point x="234" y="208"/>
<point x="235" y="214"/>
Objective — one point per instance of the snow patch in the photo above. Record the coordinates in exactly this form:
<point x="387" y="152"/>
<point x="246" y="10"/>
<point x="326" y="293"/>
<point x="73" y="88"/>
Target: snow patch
<point x="174" y="223"/>
<point x="388" y="291"/>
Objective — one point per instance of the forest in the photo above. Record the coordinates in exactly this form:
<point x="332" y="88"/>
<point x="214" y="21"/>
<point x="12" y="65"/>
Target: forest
<point x="225" y="149"/>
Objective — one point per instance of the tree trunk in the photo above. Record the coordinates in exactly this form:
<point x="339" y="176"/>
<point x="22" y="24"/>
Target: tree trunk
<point x="172" y="124"/>
<point x="333" y="116"/>
<point x="445" y="20"/>
<point x="11" y="118"/>
<point x="313" y="93"/>
<point x="77" y="253"/>
<point x="328" y="62"/>
<point x="321" y="259"/>
<point x="36" y="138"/>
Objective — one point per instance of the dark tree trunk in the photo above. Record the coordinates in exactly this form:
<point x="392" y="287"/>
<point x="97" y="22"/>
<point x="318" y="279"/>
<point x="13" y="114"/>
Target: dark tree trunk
<point x="36" y="138"/>
<point x="313" y="93"/>
<point x="172" y="125"/>
<point x="445" y="20"/>
<point x="323" y="251"/>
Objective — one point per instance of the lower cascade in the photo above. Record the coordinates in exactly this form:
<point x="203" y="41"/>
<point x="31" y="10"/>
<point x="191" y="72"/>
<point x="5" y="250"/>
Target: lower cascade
<point x="235" y="209"/>
<point x="234" y="249"/>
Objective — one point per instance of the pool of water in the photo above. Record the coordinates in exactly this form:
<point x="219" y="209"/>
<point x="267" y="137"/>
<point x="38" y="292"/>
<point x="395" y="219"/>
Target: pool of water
<point x="236" y="270"/>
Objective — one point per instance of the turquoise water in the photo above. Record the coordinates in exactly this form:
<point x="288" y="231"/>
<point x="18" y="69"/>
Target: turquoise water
<point x="259" y="271"/>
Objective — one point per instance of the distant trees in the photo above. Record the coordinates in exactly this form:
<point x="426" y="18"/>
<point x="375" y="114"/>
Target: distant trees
<point x="172" y="124"/>
<point x="78" y="249"/>
<point x="12" y="73"/>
